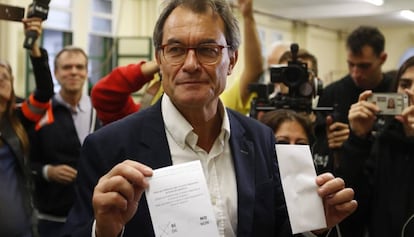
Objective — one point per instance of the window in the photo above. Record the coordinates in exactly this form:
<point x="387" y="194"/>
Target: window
<point x="101" y="43"/>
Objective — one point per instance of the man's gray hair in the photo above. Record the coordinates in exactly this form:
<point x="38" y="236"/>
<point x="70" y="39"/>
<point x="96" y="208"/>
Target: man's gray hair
<point x="220" y="7"/>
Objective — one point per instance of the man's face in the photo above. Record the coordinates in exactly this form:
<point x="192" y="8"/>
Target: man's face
<point x="71" y="71"/>
<point x="192" y="84"/>
<point x="365" y="68"/>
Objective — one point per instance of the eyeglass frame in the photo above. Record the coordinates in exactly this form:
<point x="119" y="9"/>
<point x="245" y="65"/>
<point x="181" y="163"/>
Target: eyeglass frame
<point x="220" y="51"/>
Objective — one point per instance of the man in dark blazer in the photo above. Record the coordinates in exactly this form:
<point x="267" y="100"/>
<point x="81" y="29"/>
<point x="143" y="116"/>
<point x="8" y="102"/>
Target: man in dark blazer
<point x="196" y="48"/>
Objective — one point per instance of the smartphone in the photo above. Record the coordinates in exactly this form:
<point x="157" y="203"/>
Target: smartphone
<point x="389" y="103"/>
<point x="11" y="13"/>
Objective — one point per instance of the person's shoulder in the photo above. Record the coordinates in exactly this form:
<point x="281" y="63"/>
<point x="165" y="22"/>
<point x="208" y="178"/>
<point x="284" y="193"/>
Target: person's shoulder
<point x="388" y="79"/>
<point x="338" y="84"/>
<point x="245" y="122"/>
<point x="134" y="123"/>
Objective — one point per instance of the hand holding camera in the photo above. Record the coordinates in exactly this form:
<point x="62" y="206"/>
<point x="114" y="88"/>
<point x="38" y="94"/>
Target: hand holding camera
<point x="363" y="114"/>
<point x="33" y="26"/>
<point x="389" y="103"/>
<point x="37" y="9"/>
<point x="407" y="116"/>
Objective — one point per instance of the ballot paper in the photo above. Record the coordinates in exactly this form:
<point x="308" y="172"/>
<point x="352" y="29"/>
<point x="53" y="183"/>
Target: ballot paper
<point x="304" y="205"/>
<point x="179" y="202"/>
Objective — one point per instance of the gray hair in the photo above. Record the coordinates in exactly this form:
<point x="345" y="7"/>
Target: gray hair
<point x="221" y="7"/>
<point x="70" y="48"/>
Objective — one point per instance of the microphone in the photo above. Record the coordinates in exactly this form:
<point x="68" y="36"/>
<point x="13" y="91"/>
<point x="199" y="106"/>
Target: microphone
<point x="39" y="9"/>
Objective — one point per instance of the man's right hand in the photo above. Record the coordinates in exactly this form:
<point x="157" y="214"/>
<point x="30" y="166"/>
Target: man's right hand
<point x="116" y="196"/>
<point x="362" y="115"/>
<point x="34" y="24"/>
<point x="64" y="174"/>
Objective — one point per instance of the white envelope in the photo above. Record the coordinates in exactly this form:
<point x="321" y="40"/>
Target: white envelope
<point x="304" y="205"/>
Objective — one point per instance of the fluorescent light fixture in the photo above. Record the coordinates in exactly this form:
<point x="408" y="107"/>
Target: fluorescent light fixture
<point x="407" y="14"/>
<point x="375" y="2"/>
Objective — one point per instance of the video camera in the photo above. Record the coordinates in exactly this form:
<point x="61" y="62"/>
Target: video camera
<point x="39" y="9"/>
<point x="302" y="88"/>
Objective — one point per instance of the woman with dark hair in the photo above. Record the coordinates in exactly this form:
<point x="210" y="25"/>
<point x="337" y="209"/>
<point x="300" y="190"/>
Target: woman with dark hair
<point x="380" y="167"/>
<point x="16" y="208"/>
<point x="289" y="126"/>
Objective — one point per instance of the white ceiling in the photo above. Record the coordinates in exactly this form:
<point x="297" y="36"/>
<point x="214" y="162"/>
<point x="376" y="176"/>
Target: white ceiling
<point x="342" y="15"/>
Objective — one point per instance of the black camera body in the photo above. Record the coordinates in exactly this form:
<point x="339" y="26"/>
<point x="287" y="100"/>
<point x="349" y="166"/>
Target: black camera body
<point x="39" y="9"/>
<point x="295" y="76"/>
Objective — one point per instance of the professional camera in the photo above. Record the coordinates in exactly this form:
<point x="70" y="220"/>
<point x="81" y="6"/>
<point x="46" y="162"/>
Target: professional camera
<point x="39" y="9"/>
<point x="302" y="88"/>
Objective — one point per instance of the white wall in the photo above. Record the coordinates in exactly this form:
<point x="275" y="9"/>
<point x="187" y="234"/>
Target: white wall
<point x="397" y="41"/>
<point x="11" y="46"/>
<point x="136" y="18"/>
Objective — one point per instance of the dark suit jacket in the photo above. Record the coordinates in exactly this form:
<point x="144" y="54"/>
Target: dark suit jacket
<point x="141" y="137"/>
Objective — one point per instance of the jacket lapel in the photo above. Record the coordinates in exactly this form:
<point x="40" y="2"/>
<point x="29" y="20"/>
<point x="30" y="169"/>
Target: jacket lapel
<point x="154" y="138"/>
<point x="243" y="157"/>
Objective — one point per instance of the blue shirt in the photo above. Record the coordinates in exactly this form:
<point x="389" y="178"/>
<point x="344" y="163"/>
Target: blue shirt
<point x="14" y="220"/>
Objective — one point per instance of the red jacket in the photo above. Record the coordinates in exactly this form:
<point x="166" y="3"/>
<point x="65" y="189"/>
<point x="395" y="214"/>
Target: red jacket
<point x="111" y="96"/>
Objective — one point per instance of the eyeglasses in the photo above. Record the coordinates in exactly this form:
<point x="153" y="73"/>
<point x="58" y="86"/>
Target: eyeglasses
<point x="207" y="54"/>
<point x="362" y="66"/>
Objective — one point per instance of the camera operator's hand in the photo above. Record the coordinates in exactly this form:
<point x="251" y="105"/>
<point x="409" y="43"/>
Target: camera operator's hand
<point x="246" y="7"/>
<point x="34" y="24"/>
<point x="337" y="133"/>
<point x="362" y="115"/>
<point x="407" y="116"/>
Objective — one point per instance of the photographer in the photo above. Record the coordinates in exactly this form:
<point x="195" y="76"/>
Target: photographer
<point x="365" y="48"/>
<point x="293" y="86"/>
<point x="380" y="167"/>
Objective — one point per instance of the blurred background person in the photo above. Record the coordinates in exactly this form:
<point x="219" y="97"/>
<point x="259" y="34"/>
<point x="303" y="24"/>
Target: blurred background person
<point x="57" y="142"/>
<point x="282" y="81"/>
<point x="17" y="216"/>
<point x="365" y="57"/>
<point x="380" y="166"/>
<point x="289" y="126"/>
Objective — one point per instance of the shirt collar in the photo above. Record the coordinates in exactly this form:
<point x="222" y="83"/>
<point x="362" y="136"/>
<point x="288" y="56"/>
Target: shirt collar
<point x="181" y="130"/>
<point x="83" y="105"/>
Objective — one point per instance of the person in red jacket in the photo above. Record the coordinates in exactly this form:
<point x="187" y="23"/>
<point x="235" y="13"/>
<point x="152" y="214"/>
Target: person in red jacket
<point x="111" y="96"/>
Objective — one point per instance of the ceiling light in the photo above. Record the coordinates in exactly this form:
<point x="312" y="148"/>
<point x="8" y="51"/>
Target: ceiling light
<point x="375" y="2"/>
<point x="407" y="14"/>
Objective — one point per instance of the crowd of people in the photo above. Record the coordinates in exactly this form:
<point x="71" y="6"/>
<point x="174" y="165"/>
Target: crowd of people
<point x="78" y="165"/>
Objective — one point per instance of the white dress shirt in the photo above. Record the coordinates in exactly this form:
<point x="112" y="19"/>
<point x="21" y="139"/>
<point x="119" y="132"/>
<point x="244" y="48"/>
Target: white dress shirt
<point x="217" y="164"/>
